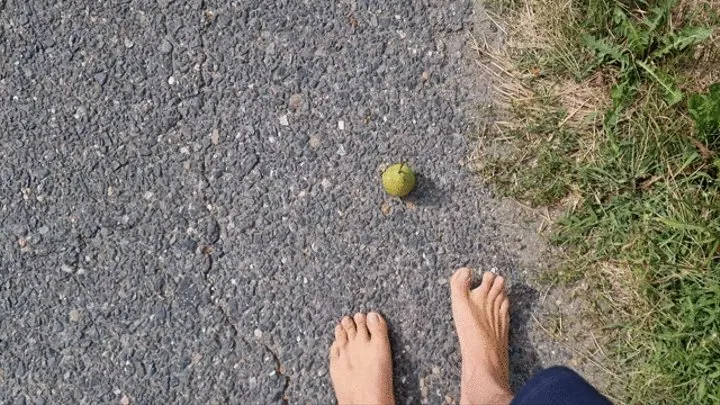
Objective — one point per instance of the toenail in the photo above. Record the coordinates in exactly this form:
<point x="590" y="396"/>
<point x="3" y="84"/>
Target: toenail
<point x="373" y="318"/>
<point x="464" y="273"/>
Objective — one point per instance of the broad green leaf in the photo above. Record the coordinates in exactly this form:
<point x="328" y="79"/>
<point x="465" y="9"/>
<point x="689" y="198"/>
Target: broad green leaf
<point x="604" y="49"/>
<point x="695" y="103"/>
<point x="714" y="91"/>
<point x="705" y="111"/>
<point x="677" y="42"/>
<point x="673" y="95"/>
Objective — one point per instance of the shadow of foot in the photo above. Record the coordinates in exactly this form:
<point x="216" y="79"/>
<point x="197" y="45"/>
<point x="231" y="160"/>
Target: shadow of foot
<point x="524" y="361"/>
<point x="405" y="371"/>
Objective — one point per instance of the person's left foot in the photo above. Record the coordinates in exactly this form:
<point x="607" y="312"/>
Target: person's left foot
<point x="360" y="361"/>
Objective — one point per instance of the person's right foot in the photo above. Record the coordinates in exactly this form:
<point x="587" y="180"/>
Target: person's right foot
<point x="482" y="320"/>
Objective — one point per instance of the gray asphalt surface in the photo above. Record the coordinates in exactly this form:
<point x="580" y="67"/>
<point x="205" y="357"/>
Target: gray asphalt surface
<point x="190" y="196"/>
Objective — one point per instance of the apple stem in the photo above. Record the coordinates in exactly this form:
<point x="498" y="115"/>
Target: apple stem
<point x="401" y="166"/>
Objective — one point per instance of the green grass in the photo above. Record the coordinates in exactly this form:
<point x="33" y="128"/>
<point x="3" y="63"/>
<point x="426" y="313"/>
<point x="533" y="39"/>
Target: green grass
<point x="643" y="183"/>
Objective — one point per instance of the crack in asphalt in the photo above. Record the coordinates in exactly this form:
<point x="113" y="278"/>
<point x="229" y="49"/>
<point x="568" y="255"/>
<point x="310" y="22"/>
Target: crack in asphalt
<point x="279" y="370"/>
<point x="279" y="367"/>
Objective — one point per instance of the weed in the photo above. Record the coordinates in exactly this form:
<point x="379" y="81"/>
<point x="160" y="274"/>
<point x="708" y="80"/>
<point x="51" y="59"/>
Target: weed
<point x="638" y="49"/>
<point x="705" y="110"/>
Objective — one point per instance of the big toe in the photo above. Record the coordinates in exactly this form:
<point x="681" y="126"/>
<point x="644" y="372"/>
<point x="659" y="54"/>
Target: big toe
<point x="460" y="284"/>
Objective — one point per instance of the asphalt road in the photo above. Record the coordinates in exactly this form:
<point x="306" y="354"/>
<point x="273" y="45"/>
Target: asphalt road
<point x="190" y="196"/>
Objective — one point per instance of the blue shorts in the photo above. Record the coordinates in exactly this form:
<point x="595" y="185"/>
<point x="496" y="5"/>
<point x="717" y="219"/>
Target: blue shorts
<point x="558" y="386"/>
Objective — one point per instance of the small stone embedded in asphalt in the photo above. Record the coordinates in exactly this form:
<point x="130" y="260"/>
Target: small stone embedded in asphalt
<point x="314" y="142"/>
<point x="385" y="208"/>
<point x="215" y="136"/>
<point x="296" y="102"/>
<point x="80" y="113"/>
<point x="165" y="47"/>
<point x="100" y="77"/>
<point x="75" y="315"/>
<point x="283" y="120"/>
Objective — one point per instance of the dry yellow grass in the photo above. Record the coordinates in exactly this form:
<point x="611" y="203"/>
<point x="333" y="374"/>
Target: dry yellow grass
<point x="536" y="28"/>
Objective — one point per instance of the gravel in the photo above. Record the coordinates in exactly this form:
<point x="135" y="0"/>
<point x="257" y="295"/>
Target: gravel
<point x="190" y="196"/>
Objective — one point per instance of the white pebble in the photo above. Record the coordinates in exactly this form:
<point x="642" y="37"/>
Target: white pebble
<point x="314" y="142"/>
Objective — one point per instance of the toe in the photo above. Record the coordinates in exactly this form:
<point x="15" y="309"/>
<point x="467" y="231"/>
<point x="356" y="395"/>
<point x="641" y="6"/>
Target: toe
<point x="505" y="307"/>
<point x="460" y="283"/>
<point x="334" y="350"/>
<point x="485" y="285"/>
<point x="498" y="300"/>
<point x="341" y="337"/>
<point x="349" y="326"/>
<point x="504" y="315"/>
<point x="498" y="287"/>
<point x="376" y="325"/>
<point x="361" y="325"/>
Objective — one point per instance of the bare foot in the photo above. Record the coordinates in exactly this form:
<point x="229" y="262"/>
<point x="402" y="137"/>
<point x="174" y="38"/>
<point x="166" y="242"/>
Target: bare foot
<point x="360" y="362"/>
<point x="482" y="320"/>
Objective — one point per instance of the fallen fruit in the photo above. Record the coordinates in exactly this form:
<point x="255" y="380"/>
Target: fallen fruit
<point x="398" y="180"/>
